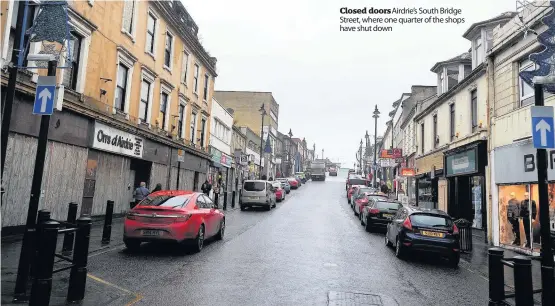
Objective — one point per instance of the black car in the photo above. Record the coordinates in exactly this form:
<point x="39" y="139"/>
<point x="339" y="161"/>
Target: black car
<point x="379" y="213"/>
<point x="426" y="230"/>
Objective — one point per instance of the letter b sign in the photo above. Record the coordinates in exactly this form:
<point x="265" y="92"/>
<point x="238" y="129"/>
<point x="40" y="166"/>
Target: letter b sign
<point x="529" y="164"/>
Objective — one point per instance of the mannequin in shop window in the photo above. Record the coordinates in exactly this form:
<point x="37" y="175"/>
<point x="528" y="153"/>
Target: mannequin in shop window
<point x="525" y="207"/>
<point x="513" y="213"/>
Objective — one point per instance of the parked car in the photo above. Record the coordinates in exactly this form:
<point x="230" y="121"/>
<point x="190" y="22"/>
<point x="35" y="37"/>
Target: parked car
<point x="378" y="213"/>
<point x="365" y="200"/>
<point x="257" y="193"/>
<point x="285" y="185"/>
<point x="173" y="215"/>
<point x="355" y="179"/>
<point x="299" y="180"/>
<point x="350" y="192"/>
<point x="293" y="182"/>
<point x="426" y="230"/>
<point x="359" y="192"/>
<point x="333" y="171"/>
<point x="302" y="176"/>
<point x="280" y="192"/>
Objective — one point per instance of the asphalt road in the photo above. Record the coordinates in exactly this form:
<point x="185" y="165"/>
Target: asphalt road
<point x="310" y="250"/>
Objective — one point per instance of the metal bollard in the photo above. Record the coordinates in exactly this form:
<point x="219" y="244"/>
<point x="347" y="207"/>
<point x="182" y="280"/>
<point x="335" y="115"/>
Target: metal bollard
<point x="43" y="215"/>
<point x="216" y="199"/>
<point x="225" y="200"/>
<point x="496" y="276"/>
<point x="67" y="246"/>
<point x="524" y="292"/>
<point x="107" y="231"/>
<point x="42" y="284"/>
<point x="233" y="195"/>
<point x="78" y="274"/>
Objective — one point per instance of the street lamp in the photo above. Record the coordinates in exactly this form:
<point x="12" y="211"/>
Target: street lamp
<point x="290" y="165"/>
<point x="360" y="157"/>
<point x="376" y="115"/>
<point x="262" y="111"/>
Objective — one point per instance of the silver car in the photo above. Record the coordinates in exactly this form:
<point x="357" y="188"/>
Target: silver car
<point x="257" y="193"/>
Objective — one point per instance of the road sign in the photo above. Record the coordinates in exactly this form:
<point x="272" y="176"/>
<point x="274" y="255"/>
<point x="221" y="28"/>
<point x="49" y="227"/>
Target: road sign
<point x="45" y="95"/>
<point x="543" y="132"/>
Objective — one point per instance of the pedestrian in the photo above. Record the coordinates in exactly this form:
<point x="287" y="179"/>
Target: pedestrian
<point x="140" y="193"/>
<point x="264" y="177"/>
<point x="271" y="179"/>
<point x="157" y="188"/>
<point x="216" y="194"/>
<point x="206" y="187"/>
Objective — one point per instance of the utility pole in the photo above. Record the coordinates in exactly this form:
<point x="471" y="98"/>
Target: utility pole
<point x="263" y="113"/>
<point x="376" y="115"/>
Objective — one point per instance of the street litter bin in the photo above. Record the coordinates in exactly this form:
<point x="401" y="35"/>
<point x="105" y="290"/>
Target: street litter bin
<point x="465" y="233"/>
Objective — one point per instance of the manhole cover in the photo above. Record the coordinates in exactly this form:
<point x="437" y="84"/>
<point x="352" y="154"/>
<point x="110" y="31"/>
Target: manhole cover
<point x="338" y="298"/>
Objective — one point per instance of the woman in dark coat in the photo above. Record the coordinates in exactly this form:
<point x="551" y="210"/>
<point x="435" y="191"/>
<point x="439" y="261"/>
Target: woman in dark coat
<point x="157" y="188"/>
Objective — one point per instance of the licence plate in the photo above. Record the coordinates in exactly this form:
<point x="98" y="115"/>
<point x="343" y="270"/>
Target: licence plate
<point x="151" y="233"/>
<point x="254" y="198"/>
<point x="389" y="216"/>
<point x="432" y="234"/>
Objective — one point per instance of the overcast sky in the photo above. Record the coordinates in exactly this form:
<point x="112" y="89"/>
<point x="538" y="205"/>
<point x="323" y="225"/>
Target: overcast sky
<point x="327" y="82"/>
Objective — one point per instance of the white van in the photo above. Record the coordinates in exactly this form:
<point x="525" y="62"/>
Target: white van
<point x="257" y="193"/>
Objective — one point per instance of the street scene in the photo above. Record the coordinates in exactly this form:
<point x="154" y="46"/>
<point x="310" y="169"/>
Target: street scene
<point x="174" y="152"/>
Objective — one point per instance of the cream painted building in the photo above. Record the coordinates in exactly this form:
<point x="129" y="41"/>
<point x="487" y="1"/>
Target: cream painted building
<point x="512" y="156"/>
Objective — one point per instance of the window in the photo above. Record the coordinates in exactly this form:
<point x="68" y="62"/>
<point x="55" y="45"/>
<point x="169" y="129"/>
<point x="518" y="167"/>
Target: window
<point x="422" y="138"/>
<point x="195" y="85"/>
<point x="150" y="33"/>
<point x="474" y="109"/>
<point x="526" y="91"/>
<point x="121" y="88"/>
<point x="185" y="68"/>
<point x="145" y="100"/>
<point x="70" y="74"/>
<point x="435" y="139"/>
<point x="128" y="16"/>
<point x="452" y="77"/>
<point x="478" y="51"/>
<point x="166" y="201"/>
<point x="489" y="39"/>
<point x="163" y="108"/>
<point x="202" y="131"/>
<point x="193" y="127"/>
<point x="441" y="82"/>
<point x="206" y="82"/>
<point x="452" y="121"/>
<point x="168" y="50"/>
<point x="181" y="115"/>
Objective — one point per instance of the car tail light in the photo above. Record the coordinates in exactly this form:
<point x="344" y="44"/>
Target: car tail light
<point x="131" y="216"/>
<point x="374" y="211"/>
<point x="182" y="218"/>
<point x="455" y="230"/>
<point x="407" y="224"/>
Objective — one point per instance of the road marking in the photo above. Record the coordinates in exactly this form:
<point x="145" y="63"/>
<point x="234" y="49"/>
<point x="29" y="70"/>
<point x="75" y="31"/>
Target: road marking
<point x="137" y="296"/>
<point x="119" y="247"/>
<point x="328" y="264"/>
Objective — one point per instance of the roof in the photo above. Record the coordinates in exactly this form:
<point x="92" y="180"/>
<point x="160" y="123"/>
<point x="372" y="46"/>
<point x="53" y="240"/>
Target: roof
<point x="416" y="209"/>
<point x="465" y="58"/>
<point x="506" y="16"/>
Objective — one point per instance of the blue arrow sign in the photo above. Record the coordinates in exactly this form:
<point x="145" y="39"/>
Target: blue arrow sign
<point x="45" y="95"/>
<point x="543" y="133"/>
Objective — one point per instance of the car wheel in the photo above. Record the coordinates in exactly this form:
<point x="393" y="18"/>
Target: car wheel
<point x="367" y="227"/>
<point x="387" y="242"/>
<point x="399" y="252"/>
<point x="269" y="207"/>
<point x="242" y="207"/>
<point x="132" y="245"/>
<point x="454" y="260"/>
<point x="199" y="240"/>
<point x="361" y="219"/>
<point x="275" y="204"/>
<point x="221" y="232"/>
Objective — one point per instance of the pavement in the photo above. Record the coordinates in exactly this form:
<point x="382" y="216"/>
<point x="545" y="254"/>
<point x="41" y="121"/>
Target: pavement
<point x="309" y="250"/>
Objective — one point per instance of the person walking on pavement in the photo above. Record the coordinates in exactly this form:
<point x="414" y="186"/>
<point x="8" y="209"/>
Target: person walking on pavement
<point x="206" y="187"/>
<point x="157" y="188"/>
<point x="140" y="193"/>
<point x="513" y="213"/>
<point x="525" y="207"/>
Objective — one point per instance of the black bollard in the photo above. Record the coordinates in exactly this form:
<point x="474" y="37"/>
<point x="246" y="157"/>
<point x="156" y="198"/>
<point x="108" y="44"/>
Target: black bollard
<point x="216" y="199"/>
<point x="78" y="274"/>
<point x="42" y="284"/>
<point x="496" y="276"/>
<point x="67" y="247"/>
<point x="43" y="215"/>
<point x="524" y="292"/>
<point x="225" y="200"/>
<point x="233" y="195"/>
<point x="107" y="231"/>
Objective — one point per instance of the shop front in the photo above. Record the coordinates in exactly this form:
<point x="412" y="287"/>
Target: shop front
<point x="516" y="211"/>
<point x="465" y="169"/>
<point x="253" y="165"/>
<point x="429" y="184"/>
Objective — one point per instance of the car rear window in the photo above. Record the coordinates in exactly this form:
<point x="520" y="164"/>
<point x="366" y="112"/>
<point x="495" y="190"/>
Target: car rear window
<point x="430" y="220"/>
<point x="388" y="205"/>
<point x="357" y="182"/>
<point x="166" y="200"/>
<point x="365" y="190"/>
<point x="255" y="186"/>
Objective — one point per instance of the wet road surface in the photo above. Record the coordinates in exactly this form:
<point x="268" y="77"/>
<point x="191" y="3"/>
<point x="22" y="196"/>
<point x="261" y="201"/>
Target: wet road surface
<point x="310" y="250"/>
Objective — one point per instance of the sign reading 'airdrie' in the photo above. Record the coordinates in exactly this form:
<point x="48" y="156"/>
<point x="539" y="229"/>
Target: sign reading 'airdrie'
<point x="110" y="139"/>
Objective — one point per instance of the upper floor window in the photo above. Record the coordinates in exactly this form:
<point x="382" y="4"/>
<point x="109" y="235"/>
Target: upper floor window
<point x="181" y="116"/>
<point x="195" y="85"/>
<point x="121" y="87"/>
<point x="129" y="16"/>
<point x="168" y="50"/>
<point x="70" y="74"/>
<point x="185" y="68"/>
<point x="526" y="92"/>
<point x="146" y="88"/>
<point x="422" y="138"/>
<point x="193" y="127"/>
<point x="206" y="84"/>
<point x="435" y="139"/>
<point x="164" y="97"/>
<point x="452" y="121"/>
<point x="452" y="77"/>
<point x="478" y="51"/>
<point x="474" y="109"/>
<point x="440" y="87"/>
<point x="123" y="82"/>
<point x="151" y="32"/>
<point x="202" y="131"/>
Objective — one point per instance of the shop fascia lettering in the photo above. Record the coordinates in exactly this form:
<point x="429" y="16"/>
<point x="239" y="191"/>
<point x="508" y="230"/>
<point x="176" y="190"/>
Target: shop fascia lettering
<point x="110" y="139"/>
<point x="518" y="164"/>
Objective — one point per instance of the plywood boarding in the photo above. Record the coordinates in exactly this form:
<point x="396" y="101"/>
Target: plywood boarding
<point x="186" y="178"/>
<point x="158" y="174"/>
<point x="425" y="164"/>
<point x="442" y="194"/>
<point x="113" y="176"/>
<point x="62" y="179"/>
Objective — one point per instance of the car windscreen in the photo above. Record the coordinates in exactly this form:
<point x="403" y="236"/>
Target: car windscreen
<point x="388" y="205"/>
<point x="427" y="220"/>
<point x="357" y="182"/>
<point x="166" y="200"/>
<point x="254" y="186"/>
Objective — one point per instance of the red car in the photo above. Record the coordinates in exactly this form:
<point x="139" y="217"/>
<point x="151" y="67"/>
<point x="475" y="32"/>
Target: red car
<point x="360" y="203"/>
<point x="293" y="183"/>
<point x="173" y="215"/>
<point x="280" y="193"/>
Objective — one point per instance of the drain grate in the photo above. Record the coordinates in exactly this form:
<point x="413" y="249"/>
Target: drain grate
<point x="338" y="298"/>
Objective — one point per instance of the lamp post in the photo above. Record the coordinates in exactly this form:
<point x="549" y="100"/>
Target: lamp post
<point x="376" y="115"/>
<point x="366" y="153"/>
<point x="314" y="151"/>
<point x="263" y="114"/>
<point x="290" y="162"/>
<point x="360" y="157"/>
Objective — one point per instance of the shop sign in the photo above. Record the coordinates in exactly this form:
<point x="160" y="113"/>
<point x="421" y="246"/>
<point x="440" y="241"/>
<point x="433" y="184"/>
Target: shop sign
<point x="244" y="159"/>
<point x="517" y="163"/>
<point x="180" y="155"/>
<point x="461" y="163"/>
<point x="407" y="172"/>
<point x="278" y="161"/>
<point x="225" y="160"/>
<point x="254" y="157"/>
<point x="216" y="155"/>
<point x="110" y="139"/>
<point x="391" y="153"/>
<point x="387" y="163"/>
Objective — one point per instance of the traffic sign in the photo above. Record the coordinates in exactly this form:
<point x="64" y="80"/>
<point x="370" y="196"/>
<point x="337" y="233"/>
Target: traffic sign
<point x="543" y="133"/>
<point x="45" y="95"/>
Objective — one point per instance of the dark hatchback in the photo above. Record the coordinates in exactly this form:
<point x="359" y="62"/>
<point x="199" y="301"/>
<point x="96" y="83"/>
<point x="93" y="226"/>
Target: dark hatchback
<point x="424" y="230"/>
<point x="379" y="213"/>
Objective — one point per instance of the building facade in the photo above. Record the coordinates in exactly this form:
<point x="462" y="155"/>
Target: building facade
<point x="253" y="152"/>
<point x="222" y="168"/>
<point x="239" y="147"/>
<point x="139" y="91"/>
